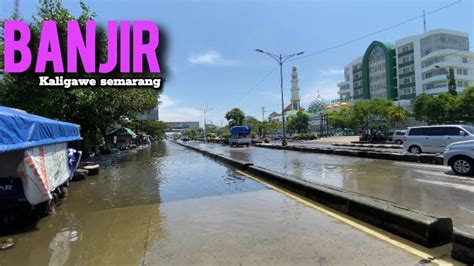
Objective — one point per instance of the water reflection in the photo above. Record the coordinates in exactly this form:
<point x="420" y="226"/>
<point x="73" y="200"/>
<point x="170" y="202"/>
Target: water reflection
<point x="422" y="187"/>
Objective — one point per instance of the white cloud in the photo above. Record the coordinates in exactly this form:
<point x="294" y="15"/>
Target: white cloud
<point x="332" y="71"/>
<point x="210" y="58"/>
<point x="172" y="111"/>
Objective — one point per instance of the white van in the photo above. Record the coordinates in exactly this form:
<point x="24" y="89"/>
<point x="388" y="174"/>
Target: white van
<point x="434" y="139"/>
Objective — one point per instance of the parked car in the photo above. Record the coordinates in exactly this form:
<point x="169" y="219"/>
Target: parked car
<point x="460" y="156"/>
<point x="434" y="139"/>
<point x="398" y="136"/>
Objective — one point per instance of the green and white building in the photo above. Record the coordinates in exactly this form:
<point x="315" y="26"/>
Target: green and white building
<point x="414" y="65"/>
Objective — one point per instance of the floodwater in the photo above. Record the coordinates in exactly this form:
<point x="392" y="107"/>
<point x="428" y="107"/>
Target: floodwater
<point x="167" y="205"/>
<point x="431" y="189"/>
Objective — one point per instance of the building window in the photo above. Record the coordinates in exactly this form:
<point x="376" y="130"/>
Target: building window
<point x="464" y="59"/>
<point x="466" y="84"/>
<point x="459" y="71"/>
<point x="464" y="72"/>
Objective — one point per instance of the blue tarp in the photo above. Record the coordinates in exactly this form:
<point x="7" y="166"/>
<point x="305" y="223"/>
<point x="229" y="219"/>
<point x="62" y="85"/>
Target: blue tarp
<point x="239" y="130"/>
<point x="20" y="130"/>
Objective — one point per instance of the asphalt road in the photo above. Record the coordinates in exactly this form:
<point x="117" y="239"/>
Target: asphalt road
<point x="431" y="189"/>
<point x="168" y="205"/>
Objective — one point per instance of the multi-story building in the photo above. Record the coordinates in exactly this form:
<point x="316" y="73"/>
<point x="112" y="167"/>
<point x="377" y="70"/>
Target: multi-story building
<point x="414" y="65"/>
<point x="179" y="126"/>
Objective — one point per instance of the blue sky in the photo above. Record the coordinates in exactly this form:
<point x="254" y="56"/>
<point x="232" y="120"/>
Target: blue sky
<point x="211" y="44"/>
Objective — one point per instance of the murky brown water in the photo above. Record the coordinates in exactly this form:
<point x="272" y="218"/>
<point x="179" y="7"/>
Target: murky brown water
<point x="169" y="205"/>
<point x="428" y="188"/>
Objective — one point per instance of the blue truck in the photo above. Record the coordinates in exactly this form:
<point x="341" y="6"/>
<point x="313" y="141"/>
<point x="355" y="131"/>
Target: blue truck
<point x="240" y="136"/>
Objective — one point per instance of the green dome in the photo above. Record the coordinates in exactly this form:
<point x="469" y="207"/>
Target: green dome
<point x="317" y="106"/>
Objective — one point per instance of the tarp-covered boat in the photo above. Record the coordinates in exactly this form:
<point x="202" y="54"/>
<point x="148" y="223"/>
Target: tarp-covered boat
<point x="35" y="162"/>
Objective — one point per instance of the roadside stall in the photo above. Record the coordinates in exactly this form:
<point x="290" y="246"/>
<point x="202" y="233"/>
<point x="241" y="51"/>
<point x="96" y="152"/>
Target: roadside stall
<point x="122" y="138"/>
<point x="35" y="162"/>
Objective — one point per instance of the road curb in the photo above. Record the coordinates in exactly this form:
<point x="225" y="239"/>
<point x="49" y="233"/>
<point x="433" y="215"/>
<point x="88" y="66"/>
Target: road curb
<point x="339" y="150"/>
<point x="242" y="165"/>
<point x="427" y="230"/>
<point x="463" y="246"/>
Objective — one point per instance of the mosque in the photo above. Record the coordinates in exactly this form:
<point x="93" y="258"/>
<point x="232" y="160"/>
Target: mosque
<point x="315" y="108"/>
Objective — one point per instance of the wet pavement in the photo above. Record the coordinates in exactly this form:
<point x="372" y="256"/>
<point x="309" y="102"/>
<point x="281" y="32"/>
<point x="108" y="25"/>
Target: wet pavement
<point x="428" y="188"/>
<point x="169" y="205"/>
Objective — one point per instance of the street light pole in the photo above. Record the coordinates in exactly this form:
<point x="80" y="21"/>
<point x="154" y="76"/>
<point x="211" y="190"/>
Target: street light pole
<point x="205" y="111"/>
<point x="280" y="60"/>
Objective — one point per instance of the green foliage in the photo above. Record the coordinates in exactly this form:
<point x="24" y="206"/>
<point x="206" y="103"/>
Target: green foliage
<point x="298" y="123"/>
<point x="438" y="109"/>
<point x="235" y="117"/>
<point x="445" y="108"/>
<point x="452" y="82"/>
<point x="153" y="128"/>
<point x="211" y="135"/>
<point x="367" y="114"/>
<point x="268" y="127"/>
<point x="253" y="135"/>
<point x="466" y="106"/>
<point x="175" y="135"/>
<point x="210" y="128"/>
<point x="190" y="133"/>
<point x="226" y="135"/>
<point x="296" y="136"/>
<point x="310" y="136"/>
<point x="94" y="109"/>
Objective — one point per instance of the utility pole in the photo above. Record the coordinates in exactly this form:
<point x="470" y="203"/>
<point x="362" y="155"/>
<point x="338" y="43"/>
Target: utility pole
<point x="204" y="111"/>
<point x="280" y="59"/>
<point x="16" y="9"/>
<point x="263" y="113"/>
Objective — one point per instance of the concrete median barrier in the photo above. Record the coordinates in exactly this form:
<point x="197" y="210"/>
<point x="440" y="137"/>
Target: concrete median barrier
<point x="463" y="246"/>
<point x="424" y="229"/>
<point x="242" y="165"/>
<point x="373" y="154"/>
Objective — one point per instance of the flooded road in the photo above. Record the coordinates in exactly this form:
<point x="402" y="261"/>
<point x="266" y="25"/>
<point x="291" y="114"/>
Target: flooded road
<point x="428" y="188"/>
<point x="167" y="205"/>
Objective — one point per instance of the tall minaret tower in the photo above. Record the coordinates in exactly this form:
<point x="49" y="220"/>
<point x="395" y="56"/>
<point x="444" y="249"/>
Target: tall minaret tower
<point x="295" y="90"/>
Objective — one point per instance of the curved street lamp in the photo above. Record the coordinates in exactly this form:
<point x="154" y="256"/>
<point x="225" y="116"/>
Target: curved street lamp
<point x="280" y="59"/>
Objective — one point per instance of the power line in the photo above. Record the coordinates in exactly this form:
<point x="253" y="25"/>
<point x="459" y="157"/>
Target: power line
<point x="378" y="31"/>
<point x="415" y="66"/>
<point x="254" y="87"/>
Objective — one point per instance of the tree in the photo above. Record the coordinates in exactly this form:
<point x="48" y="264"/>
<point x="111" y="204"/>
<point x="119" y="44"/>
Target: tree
<point x="190" y="133"/>
<point x="298" y="123"/>
<point x="94" y="109"/>
<point x="466" y="106"/>
<point x="210" y="128"/>
<point x="438" y="109"/>
<point x="452" y="82"/>
<point x="235" y="117"/>
<point x="269" y="127"/>
<point x="153" y="128"/>
<point x="252" y="122"/>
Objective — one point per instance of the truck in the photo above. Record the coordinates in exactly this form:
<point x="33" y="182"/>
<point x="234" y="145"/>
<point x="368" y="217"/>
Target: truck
<point x="240" y="136"/>
<point x="36" y="163"/>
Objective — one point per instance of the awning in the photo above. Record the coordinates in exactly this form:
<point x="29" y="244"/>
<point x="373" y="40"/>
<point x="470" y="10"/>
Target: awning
<point x="20" y="130"/>
<point x="123" y="131"/>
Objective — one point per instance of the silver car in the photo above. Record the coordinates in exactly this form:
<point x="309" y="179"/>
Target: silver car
<point x="434" y="139"/>
<point x="398" y="136"/>
<point x="460" y="156"/>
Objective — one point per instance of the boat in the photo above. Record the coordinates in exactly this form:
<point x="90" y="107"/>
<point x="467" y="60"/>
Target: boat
<point x="36" y="162"/>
